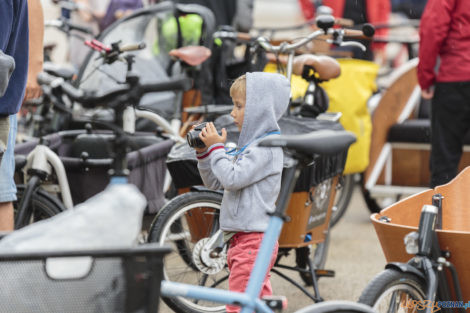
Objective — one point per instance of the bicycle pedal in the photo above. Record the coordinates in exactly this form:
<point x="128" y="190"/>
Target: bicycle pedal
<point x="276" y="303"/>
<point x="325" y="273"/>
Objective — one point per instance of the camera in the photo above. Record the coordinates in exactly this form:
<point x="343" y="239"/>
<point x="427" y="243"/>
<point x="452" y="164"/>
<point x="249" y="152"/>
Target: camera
<point x="193" y="136"/>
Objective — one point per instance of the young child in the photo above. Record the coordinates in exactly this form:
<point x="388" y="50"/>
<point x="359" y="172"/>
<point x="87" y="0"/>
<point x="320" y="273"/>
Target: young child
<point x="250" y="177"/>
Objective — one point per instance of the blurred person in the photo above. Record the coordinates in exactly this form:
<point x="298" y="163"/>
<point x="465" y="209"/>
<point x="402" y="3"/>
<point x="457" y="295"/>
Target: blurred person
<point x="89" y="14"/>
<point x="21" y="36"/>
<point x="445" y="35"/>
<point x="118" y="9"/>
<point x="360" y="12"/>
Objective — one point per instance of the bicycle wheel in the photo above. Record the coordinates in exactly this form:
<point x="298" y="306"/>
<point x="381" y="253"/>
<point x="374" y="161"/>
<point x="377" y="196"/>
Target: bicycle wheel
<point x="186" y="223"/>
<point x="342" y="198"/>
<point x="392" y="291"/>
<point x="317" y="253"/>
<point x="42" y="205"/>
<point x="337" y="306"/>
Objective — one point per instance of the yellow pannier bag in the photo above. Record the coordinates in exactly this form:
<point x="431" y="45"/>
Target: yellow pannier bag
<point x="348" y="94"/>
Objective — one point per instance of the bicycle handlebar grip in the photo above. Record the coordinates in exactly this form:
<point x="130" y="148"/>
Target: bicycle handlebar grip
<point x="427" y="226"/>
<point x="367" y="31"/>
<point x="180" y="84"/>
<point x="72" y="92"/>
<point x="79" y="28"/>
<point x="244" y="36"/>
<point x="45" y="78"/>
<point x="133" y="47"/>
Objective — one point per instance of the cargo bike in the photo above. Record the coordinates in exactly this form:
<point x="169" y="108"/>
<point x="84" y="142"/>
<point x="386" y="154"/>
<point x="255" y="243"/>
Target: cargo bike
<point x="424" y="239"/>
<point x="189" y="222"/>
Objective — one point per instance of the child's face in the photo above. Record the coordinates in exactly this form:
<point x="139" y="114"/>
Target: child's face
<point x="238" y="111"/>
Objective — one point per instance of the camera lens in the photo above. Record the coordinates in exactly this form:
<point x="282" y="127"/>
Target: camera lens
<point x="193" y="137"/>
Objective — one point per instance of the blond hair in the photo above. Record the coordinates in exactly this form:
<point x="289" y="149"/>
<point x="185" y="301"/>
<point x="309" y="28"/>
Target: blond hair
<point x="239" y="86"/>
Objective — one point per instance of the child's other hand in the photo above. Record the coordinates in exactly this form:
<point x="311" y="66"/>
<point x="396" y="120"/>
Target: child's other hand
<point x="210" y="136"/>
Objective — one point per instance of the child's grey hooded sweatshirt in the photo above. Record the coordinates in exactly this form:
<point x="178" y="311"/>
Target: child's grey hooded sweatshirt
<point x="251" y="180"/>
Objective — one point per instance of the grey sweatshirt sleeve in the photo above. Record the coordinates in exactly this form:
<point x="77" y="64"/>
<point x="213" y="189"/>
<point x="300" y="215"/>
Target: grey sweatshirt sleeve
<point x="204" y="166"/>
<point x="250" y="167"/>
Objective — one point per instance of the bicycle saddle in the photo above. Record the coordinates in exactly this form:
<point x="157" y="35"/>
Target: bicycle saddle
<point x="58" y="71"/>
<point x="192" y="55"/>
<point x="324" y="142"/>
<point x="20" y="162"/>
<point x="326" y="67"/>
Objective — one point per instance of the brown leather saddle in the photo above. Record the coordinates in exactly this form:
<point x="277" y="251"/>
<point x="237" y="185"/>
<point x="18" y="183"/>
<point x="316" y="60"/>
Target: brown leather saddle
<point x="191" y="55"/>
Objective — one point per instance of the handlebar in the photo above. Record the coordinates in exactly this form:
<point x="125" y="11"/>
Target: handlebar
<point x="92" y="100"/>
<point x="67" y="26"/>
<point x="324" y="22"/>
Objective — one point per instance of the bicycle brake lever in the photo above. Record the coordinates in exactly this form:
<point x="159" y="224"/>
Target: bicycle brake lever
<point x="353" y="44"/>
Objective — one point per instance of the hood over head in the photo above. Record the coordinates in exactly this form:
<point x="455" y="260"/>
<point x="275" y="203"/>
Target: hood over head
<point x="267" y="98"/>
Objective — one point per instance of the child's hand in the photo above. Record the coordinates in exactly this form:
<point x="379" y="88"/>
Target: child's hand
<point x="210" y="136"/>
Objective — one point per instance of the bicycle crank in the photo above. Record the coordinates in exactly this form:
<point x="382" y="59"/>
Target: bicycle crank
<point x="206" y="260"/>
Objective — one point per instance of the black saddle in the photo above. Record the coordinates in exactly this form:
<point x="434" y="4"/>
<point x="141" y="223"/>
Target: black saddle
<point x="59" y="71"/>
<point x="99" y="146"/>
<point x="322" y="142"/>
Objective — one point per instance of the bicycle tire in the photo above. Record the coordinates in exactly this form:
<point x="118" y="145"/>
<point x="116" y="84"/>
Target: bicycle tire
<point x="342" y="199"/>
<point x="171" y="227"/>
<point x="43" y="205"/>
<point x="336" y="306"/>
<point x="387" y="285"/>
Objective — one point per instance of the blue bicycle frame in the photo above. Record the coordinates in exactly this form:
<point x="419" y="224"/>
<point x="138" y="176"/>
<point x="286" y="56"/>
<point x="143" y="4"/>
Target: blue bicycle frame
<point x="248" y="300"/>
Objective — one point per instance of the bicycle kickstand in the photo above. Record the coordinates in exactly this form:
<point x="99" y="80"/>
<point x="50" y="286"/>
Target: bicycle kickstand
<point x="318" y="298"/>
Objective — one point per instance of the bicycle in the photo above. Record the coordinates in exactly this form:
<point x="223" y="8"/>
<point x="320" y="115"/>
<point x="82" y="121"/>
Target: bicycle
<point x="304" y="149"/>
<point x="436" y="272"/>
<point x="314" y="69"/>
<point x="42" y="163"/>
<point x="189" y="221"/>
<point x="210" y="252"/>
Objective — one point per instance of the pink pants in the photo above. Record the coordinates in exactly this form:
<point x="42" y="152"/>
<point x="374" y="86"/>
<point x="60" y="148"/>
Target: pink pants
<point x="241" y="257"/>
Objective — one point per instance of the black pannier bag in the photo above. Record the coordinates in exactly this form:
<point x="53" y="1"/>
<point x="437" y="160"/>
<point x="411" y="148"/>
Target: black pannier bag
<point x="182" y="162"/>
<point x="88" y="176"/>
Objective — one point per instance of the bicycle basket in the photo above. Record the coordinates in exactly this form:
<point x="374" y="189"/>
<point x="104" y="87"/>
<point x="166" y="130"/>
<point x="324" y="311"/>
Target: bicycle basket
<point x="89" y="176"/>
<point x="118" y="280"/>
<point x="182" y="162"/>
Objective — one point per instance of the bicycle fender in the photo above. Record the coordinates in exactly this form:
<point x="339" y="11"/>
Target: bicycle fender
<point x="203" y="188"/>
<point x="405" y="268"/>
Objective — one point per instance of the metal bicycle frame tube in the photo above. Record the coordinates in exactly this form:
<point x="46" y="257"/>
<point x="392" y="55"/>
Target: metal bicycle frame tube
<point x="40" y="158"/>
<point x="172" y="289"/>
<point x="160" y="121"/>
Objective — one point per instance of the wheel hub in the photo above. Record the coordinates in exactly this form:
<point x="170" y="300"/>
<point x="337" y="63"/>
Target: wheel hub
<point x="203" y="260"/>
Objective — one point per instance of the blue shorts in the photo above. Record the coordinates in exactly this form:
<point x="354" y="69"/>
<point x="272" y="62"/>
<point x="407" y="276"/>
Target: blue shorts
<point x="7" y="167"/>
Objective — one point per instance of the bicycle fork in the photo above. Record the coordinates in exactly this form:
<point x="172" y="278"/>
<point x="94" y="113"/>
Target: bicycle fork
<point x="23" y="214"/>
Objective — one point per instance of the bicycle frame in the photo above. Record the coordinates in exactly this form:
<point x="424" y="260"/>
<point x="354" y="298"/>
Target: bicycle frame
<point x="43" y="159"/>
<point x="429" y="262"/>
<point x="248" y="300"/>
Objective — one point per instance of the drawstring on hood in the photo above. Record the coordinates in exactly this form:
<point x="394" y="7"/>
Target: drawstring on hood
<point x="267" y="98"/>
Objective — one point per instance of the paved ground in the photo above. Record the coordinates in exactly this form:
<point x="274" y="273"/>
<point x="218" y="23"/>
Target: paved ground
<point x="355" y="255"/>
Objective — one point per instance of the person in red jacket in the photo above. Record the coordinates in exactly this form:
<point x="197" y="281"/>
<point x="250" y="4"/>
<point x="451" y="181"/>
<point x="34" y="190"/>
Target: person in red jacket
<point x="445" y="35"/>
<point x="360" y="12"/>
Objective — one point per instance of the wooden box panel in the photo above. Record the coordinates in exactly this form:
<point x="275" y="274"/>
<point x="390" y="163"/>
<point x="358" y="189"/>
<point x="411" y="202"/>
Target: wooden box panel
<point x="410" y="167"/>
<point x="454" y="237"/>
<point x="307" y="217"/>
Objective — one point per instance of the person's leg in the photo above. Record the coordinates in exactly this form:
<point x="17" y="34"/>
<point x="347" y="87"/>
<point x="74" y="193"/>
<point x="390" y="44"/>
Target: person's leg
<point x="4" y="130"/>
<point x="241" y="258"/>
<point x="448" y="128"/>
<point x="7" y="184"/>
